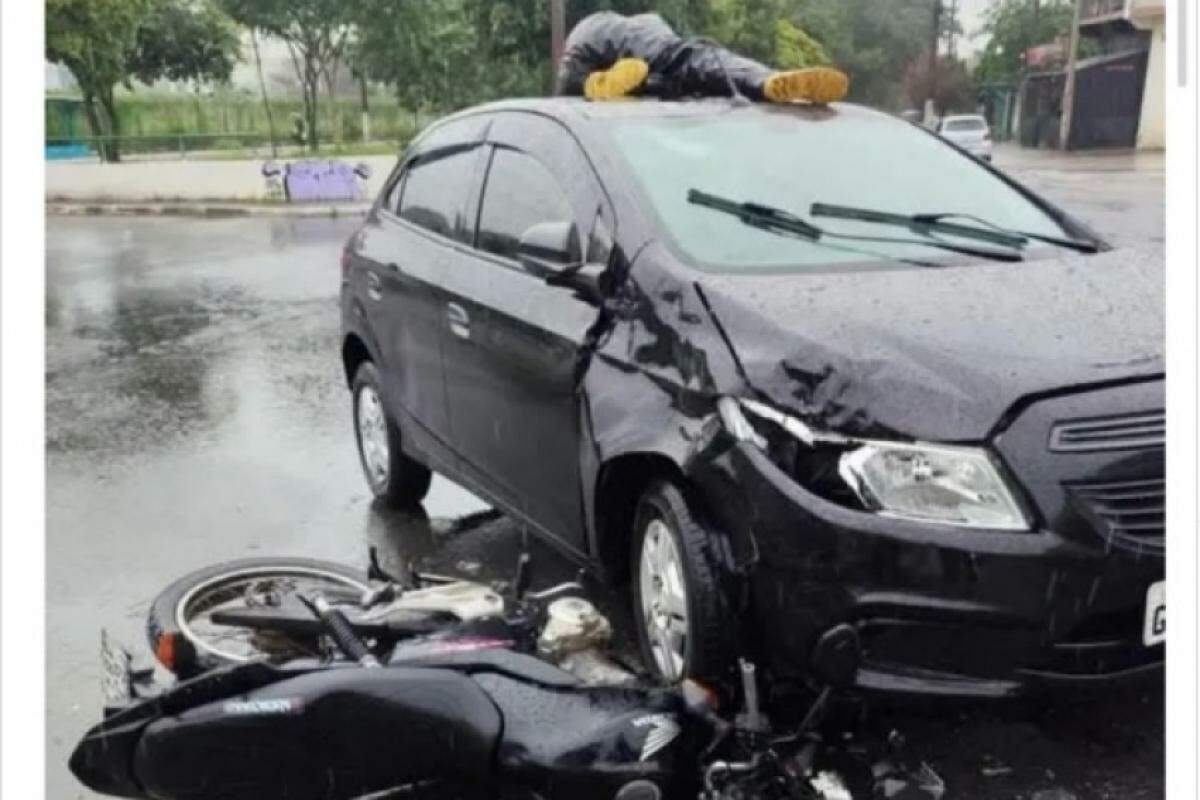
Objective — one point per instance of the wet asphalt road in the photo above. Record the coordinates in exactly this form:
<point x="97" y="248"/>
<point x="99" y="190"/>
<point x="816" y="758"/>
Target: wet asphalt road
<point x="196" y="412"/>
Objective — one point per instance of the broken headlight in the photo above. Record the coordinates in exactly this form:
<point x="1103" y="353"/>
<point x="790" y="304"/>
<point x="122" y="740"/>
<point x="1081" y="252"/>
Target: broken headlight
<point x="931" y="483"/>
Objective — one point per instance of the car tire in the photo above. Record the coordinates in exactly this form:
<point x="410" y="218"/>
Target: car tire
<point x="665" y="519"/>
<point x="395" y="479"/>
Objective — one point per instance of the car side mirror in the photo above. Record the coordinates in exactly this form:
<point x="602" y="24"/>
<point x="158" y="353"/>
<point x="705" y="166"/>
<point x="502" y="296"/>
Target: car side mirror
<point x="548" y="248"/>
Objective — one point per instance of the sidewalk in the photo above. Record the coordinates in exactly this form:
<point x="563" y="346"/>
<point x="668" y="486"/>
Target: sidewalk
<point x="199" y="187"/>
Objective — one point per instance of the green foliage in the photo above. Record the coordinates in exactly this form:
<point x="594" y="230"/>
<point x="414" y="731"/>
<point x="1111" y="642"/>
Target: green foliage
<point x="94" y="38"/>
<point x="873" y="41"/>
<point x="108" y="42"/>
<point x="316" y="33"/>
<point x="764" y="30"/>
<point x="185" y="42"/>
<point x="795" y="48"/>
<point x="155" y="117"/>
<point x="1010" y="28"/>
<point x="451" y="53"/>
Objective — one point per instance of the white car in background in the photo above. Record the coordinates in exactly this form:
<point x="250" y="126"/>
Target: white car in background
<point x="970" y="132"/>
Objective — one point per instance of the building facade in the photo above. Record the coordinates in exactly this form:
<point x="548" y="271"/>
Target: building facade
<point x="1125" y="26"/>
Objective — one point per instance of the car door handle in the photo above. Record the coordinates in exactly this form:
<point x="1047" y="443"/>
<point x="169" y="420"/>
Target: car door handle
<point x="374" y="286"/>
<point x="459" y="320"/>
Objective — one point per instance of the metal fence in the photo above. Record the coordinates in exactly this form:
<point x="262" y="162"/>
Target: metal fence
<point x="203" y="145"/>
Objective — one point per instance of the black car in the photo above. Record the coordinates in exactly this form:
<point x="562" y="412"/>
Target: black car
<point x="778" y="368"/>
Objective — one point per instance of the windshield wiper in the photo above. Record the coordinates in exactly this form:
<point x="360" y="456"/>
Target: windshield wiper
<point x="917" y="224"/>
<point x="936" y="223"/>
<point x="776" y="220"/>
<point x="1079" y="245"/>
<point x="758" y="216"/>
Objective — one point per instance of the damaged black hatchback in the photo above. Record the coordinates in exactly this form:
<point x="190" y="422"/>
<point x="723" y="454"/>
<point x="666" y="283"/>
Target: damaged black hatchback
<point x="777" y="368"/>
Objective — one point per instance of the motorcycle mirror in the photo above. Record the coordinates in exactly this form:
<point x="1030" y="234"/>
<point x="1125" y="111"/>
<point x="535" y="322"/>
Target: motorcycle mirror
<point x="836" y="657"/>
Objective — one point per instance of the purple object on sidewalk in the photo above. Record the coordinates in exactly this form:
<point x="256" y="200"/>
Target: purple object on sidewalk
<point x="323" y="180"/>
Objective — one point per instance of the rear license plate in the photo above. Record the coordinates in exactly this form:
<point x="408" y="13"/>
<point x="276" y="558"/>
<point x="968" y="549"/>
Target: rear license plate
<point x="116" y="675"/>
<point x="1155" y="629"/>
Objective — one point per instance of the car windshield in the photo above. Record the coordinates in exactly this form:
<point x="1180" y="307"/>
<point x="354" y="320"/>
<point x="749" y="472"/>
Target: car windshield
<point x="790" y="159"/>
<point x="973" y="124"/>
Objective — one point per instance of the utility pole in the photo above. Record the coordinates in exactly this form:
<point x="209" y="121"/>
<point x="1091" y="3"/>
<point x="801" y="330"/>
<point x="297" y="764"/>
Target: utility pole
<point x="952" y="31"/>
<point x="1068" y="106"/>
<point x="933" y="58"/>
<point x="558" y="33"/>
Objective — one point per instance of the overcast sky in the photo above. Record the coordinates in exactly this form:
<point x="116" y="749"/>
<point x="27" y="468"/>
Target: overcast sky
<point x="970" y="13"/>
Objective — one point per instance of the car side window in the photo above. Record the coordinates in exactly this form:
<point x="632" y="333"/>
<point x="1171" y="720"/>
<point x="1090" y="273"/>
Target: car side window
<point x="519" y="193"/>
<point x="435" y="190"/>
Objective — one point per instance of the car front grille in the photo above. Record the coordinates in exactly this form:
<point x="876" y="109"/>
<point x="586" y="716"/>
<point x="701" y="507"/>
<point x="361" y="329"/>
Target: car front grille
<point x="1130" y="514"/>
<point x="1110" y="433"/>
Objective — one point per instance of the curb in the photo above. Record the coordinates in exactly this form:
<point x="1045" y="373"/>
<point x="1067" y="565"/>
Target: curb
<point x="214" y="210"/>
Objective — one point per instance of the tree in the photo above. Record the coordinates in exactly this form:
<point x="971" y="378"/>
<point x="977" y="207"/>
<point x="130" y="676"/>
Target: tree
<point x="450" y="53"/>
<point x="949" y="86"/>
<point x="872" y="41"/>
<point x="182" y="41"/>
<point x="109" y="42"/>
<point x="1010" y="30"/>
<point x="762" y="30"/>
<point x="93" y="39"/>
<point x="316" y="33"/>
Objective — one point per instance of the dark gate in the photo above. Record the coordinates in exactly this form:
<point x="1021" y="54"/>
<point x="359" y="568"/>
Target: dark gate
<point x="1108" y="100"/>
<point x="1108" y="103"/>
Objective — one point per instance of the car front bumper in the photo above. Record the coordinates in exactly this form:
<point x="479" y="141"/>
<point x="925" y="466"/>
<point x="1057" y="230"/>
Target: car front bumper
<point x="940" y="610"/>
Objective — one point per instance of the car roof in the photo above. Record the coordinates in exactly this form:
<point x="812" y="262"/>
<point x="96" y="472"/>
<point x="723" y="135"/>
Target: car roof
<point x="578" y="111"/>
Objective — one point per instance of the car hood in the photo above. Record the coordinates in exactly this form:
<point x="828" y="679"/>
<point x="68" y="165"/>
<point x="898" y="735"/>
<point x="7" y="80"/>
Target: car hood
<point x="942" y="354"/>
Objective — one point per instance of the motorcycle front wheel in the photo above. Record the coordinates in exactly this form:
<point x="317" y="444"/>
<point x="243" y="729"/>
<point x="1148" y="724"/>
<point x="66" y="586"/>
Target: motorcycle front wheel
<point x="185" y="639"/>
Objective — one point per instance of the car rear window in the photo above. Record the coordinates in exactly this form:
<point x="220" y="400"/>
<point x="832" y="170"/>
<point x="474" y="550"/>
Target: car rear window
<point x="434" y="193"/>
<point x="965" y="125"/>
<point x="791" y="159"/>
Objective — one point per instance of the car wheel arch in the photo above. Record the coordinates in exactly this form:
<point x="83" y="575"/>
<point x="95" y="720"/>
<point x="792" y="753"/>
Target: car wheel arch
<point x="354" y="353"/>
<point x="620" y="484"/>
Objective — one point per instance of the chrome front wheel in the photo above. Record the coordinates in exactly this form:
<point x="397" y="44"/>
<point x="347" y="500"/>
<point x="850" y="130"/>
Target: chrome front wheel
<point x="664" y="601"/>
<point x="373" y="436"/>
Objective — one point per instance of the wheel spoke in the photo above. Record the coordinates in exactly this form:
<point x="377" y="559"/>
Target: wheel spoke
<point x="673" y="601"/>
<point x="665" y="654"/>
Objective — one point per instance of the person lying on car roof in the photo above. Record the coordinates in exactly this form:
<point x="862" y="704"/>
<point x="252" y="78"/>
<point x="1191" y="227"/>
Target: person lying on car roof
<point x="609" y="55"/>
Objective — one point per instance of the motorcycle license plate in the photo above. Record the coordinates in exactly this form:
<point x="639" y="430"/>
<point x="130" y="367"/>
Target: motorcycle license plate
<point x="1155" y="629"/>
<point x="116" y="672"/>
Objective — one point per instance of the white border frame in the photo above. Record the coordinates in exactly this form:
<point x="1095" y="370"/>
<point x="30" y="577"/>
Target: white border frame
<point x="22" y="337"/>
<point x="1183" y="569"/>
<point x="22" y="293"/>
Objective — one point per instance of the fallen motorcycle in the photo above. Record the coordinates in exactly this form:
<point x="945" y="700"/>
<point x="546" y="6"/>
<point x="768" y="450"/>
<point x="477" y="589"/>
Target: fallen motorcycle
<point x="301" y="679"/>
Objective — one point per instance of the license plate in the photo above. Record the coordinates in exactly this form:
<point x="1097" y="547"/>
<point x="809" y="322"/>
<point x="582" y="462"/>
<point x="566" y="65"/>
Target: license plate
<point x="116" y="671"/>
<point x="1155" y="629"/>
